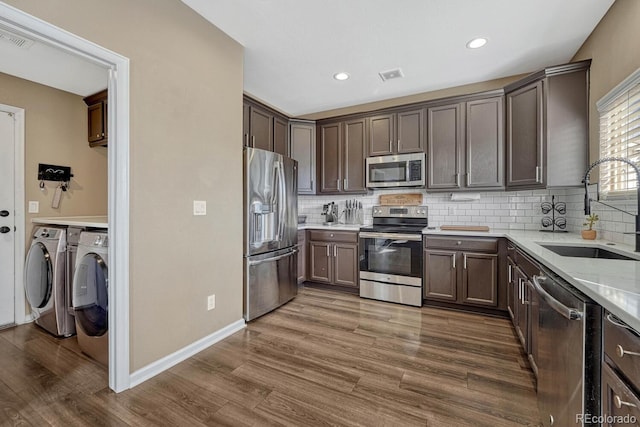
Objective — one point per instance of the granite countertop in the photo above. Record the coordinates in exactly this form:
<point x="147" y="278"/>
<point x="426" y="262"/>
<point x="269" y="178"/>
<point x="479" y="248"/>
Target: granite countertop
<point x="337" y="227"/>
<point x="614" y="284"/>
<point x="74" y="221"/>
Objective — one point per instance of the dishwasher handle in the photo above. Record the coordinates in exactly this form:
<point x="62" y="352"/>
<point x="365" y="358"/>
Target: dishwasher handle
<point x="569" y="313"/>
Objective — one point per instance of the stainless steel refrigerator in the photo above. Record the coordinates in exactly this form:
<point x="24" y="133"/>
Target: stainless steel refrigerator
<point x="270" y="231"/>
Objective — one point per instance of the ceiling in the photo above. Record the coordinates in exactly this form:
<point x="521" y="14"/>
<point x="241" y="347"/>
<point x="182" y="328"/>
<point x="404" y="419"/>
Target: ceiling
<point x="294" y="47"/>
<point x="42" y="63"/>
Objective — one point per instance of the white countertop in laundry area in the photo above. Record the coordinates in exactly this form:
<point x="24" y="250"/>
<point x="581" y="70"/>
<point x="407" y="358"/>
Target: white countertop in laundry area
<point x="614" y="284"/>
<point x="75" y="221"/>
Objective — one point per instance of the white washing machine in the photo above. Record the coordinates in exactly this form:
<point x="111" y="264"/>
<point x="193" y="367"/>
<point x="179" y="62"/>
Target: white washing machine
<point x="45" y="281"/>
<point x="90" y="295"/>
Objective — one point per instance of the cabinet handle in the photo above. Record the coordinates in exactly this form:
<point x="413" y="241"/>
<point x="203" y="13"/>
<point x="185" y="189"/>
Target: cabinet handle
<point x="620" y="351"/>
<point x="458" y="180"/>
<point x="520" y="289"/>
<point x="97" y="135"/>
<point x="467" y="178"/>
<point x="335" y="251"/>
<point x="510" y="273"/>
<point x="253" y="141"/>
<point x="390" y="146"/>
<point x="328" y="251"/>
<point x="453" y="260"/>
<point x="246" y="139"/>
<point x="338" y="183"/>
<point x="102" y="133"/>
<point x="620" y="403"/>
<point x="539" y="174"/>
<point x="464" y="261"/>
<point x="344" y="183"/>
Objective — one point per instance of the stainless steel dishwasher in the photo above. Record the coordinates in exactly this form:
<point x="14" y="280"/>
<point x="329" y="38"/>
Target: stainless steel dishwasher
<point x="569" y="352"/>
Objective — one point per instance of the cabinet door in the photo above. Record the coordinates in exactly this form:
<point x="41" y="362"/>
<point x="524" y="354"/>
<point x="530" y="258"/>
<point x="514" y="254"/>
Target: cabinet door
<point x="246" y="128"/>
<point x="485" y="143"/>
<point x="302" y="256"/>
<point x="410" y="131"/>
<point x="619" y="401"/>
<point x="346" y="266"/>
<point x="261" y="123"/>
<point x="522" y="326"/>
<point x="303" y="149"/>
<point x="280" y="136"/>
<point x="440" y="275"/>
<point x="533" y="321"/>
<point x="330" y="157"/>
<point x="355" y="133"/>
<point x="96" y="123"/>
<point x="320" y="262"/>
<point x="444" y="142"/>
<point x="525" y="137"/>
<point x="479" y="279"/>
<point x="381" y="134"/>
<point x="512" y="291"/>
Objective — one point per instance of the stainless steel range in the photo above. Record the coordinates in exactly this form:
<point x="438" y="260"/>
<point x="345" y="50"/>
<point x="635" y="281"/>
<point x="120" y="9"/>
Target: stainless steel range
<point x="391" y="255"/>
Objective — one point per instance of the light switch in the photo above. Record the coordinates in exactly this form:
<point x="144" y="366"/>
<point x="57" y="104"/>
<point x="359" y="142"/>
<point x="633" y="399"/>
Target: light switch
<point x="34" y="207"/>
<point x="199" y="207"/>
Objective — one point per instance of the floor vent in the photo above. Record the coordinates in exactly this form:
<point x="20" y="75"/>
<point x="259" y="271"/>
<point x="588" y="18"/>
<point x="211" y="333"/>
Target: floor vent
<point x="391" y="74"/>
<point x="15" y="39"/>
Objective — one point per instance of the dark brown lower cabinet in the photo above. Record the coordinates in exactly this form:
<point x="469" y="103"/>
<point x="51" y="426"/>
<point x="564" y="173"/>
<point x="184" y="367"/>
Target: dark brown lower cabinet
<point x="333" y="258"/>
<point x="302" y="256"/>
<point x="468" y="277"/>
<point x="620" y="405"/>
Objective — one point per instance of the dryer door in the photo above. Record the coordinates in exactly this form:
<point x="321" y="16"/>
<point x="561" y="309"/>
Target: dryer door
<point x="38" y="276"/>
<point x="90" y="285"/>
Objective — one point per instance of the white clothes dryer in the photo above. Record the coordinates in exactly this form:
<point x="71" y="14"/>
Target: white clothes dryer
<point x="90" y="295"/>
<point x="45" y="281"/>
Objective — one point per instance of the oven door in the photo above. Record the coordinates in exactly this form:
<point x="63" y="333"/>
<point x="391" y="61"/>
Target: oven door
<point x="391" y="257"/>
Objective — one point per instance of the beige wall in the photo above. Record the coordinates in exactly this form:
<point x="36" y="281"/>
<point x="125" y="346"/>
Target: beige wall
<point x="613" y="48"/>
<point x="56" y="133"/>
<point x="420" y="97"/>
<point x="186" y="126"/>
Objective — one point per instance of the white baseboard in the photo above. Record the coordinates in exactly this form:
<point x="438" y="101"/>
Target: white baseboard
<point x="161" y="365"/>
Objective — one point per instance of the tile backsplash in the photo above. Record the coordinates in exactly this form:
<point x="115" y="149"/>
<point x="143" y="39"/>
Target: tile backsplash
<point x="514" y="210"/>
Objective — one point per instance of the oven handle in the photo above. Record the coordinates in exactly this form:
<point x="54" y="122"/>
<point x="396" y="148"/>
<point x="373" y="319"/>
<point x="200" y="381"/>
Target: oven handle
<point x="392" y="236"/>
<point x="569" y="313"/>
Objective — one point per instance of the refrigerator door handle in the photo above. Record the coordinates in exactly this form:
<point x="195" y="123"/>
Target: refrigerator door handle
<point x="262" y="261"/>
<point x="282" y="203"/>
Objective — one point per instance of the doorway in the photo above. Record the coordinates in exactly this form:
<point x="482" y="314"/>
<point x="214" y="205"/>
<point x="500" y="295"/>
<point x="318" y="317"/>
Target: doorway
<point x="118" y="177"/>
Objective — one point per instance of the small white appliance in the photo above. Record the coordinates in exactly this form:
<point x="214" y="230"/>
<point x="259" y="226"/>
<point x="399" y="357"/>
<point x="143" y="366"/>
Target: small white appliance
<point x="45" y="281"/>
<point x="90" y="295"/>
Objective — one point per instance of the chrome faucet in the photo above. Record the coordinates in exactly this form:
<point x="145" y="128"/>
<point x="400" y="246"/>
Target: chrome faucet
<point x="587" y="200"/>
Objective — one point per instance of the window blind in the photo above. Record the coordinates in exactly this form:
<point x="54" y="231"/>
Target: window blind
<point x="620" y="137"/>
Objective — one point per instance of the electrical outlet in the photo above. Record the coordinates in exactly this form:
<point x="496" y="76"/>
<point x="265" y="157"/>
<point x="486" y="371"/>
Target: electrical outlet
<point x="34" y="207"/>
<point x="211" y="302"/>
<point x="199" y="207"/>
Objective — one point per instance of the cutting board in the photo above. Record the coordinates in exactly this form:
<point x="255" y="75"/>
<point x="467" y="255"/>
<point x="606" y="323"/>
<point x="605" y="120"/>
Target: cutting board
<point x="464" y="227"/>
<point x="408" y="199"/>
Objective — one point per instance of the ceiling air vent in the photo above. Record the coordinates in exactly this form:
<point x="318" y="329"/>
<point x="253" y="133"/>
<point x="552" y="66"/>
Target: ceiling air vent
<point x="15" y="39"/>
<point x="391" y="74"/>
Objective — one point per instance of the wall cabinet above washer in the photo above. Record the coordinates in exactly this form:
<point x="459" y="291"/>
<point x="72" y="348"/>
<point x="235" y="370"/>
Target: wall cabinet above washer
<point x="97" y="119"/>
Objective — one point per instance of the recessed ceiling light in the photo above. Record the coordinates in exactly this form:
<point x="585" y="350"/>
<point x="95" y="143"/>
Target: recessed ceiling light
<point x="476" y="43"/>
<point x="341" y="76"/>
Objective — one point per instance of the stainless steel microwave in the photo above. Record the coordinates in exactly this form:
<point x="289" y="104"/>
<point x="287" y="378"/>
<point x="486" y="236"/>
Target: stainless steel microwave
<point x="402" y="170"/>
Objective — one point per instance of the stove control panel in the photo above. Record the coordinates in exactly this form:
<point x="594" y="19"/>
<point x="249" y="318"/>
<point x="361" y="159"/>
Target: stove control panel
<point x="400" y="212"/>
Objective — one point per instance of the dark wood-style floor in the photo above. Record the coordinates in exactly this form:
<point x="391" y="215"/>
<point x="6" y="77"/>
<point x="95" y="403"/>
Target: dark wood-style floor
<point x="325" y="358"/>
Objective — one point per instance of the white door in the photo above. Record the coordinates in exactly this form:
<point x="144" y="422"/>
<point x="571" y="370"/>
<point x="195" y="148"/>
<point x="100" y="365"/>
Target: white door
<point x="7" y="220"/>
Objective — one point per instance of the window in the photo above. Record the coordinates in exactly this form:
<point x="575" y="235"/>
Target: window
<point x="620" y="136"/>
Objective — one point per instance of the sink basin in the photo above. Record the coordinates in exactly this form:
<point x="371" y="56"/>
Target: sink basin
<point x="586" y="252"/>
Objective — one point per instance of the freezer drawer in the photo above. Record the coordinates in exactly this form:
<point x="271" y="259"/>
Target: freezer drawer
<point x="270" y="281"/>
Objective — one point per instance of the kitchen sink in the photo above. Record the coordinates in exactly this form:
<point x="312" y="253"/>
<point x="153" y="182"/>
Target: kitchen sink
<point x="587" y="252"/>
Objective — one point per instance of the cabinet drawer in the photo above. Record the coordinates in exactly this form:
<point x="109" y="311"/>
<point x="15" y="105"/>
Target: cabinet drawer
<point x="334" y="236"/>
<point x="466" y="244"/>
<point x="619" y="403"/>
<point x="525" y="263"/>
<point x="619" y="342"/>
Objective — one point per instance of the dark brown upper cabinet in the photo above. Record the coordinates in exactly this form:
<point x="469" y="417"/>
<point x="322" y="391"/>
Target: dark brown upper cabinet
<point x="547" y="127"/>
<point x="303" y="149"/>
<point x="465" y="144"/>
<point x="264" y="128"/>
<point x="97" y="130"/>
<point x="396" y="133"/>
<point x="341" y="153"/>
